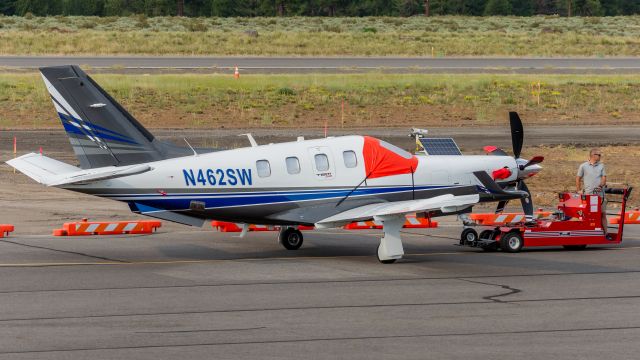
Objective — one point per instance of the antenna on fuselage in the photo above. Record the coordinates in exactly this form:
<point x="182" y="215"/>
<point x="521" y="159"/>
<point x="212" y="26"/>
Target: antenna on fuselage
<point x="190" y="147"/>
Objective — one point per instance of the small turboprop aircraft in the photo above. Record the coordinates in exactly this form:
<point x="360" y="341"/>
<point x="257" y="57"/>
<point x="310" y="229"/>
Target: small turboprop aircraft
<point x="327" y="182"/>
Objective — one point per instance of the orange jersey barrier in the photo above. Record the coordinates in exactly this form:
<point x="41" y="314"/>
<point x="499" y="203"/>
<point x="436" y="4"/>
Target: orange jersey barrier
<point x="412" y="222"/>
<point x="223" y="226"/>
<point x="5" y="229"/>
<point x="630" y="217"/>
<point x="84" y="228"/>
<point x="490" y="219"/>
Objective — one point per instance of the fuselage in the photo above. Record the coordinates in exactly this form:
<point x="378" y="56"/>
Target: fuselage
<point x="298" y="182"/>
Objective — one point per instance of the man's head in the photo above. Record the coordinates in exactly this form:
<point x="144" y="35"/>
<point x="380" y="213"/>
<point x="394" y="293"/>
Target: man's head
<point x="594" y="155"/>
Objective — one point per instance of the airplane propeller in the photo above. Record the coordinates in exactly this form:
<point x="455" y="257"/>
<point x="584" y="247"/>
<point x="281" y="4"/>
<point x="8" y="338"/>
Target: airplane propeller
<point x="517" y="141"/>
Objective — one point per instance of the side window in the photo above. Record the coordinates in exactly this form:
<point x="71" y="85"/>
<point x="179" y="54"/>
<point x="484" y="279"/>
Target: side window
<point x="264" y="169"/>
<point x="293" y="165"/>
<point x="350" y="159"/>
<point x="322" y="162"/>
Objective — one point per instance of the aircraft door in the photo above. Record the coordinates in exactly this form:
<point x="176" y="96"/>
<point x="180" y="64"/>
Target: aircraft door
<point x="322" y="162"/>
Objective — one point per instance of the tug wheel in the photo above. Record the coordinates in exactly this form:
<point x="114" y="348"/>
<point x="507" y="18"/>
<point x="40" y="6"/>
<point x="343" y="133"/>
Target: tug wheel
<point x="291" y="239"/>
<point x="468" y="235"/>
<point x="512" y="242"/>
<point x="488" y="235"/>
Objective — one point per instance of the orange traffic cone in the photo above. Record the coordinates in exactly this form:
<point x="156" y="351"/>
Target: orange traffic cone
<point x="236" y="73"/>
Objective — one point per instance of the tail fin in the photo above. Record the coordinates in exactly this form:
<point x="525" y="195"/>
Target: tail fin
<point x="102" y="133"/>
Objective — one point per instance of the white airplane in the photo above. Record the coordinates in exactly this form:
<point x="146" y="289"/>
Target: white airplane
<point x="327" y="182"/>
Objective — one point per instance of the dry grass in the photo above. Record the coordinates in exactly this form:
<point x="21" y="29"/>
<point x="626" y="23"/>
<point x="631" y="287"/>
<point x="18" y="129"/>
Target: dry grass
<point x="290" y="101"/>
<point x="382" y="36"/>
<point x="561" y="164"/>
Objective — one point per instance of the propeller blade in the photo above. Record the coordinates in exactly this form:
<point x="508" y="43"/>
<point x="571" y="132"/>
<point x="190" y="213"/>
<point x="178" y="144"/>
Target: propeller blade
<point x="501" y="205"/>
<point x="535" y="160"/>
<point x="494" y="150"/>
<point x="527" y="202"/>
<point x="517" y="133"/>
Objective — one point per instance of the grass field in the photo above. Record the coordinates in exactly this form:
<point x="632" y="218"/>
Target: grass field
<point x="381" y="36"/>
<point x="561" y="164"/>
<point x="291" y="101"/>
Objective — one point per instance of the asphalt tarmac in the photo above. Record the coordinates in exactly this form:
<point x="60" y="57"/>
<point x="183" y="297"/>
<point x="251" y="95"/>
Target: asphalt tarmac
<point x="464" y="65"/>
<point x="194" y="294"/>
<point x="186" y="293"/>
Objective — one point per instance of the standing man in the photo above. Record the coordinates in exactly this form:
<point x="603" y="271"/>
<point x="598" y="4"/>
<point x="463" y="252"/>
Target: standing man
<point x="594" y="177"/>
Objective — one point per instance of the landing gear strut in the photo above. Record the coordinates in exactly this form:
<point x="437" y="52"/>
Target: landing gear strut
<point x="390" y="248"/>
<point x="290" y="238"/>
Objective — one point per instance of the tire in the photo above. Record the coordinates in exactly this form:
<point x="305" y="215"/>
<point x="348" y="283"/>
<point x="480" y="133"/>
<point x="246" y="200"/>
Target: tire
<point x="291" y="239"/>
<point x="512" y="242"/>
<point x="574" y="247"/>
<point x="390" y="261"/>
<point x="468" y="235"/>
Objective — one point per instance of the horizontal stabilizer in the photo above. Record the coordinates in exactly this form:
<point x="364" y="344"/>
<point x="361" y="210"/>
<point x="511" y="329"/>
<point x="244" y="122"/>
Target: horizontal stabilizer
<point x="41" y="168"/>
<point x="52" y="172"/>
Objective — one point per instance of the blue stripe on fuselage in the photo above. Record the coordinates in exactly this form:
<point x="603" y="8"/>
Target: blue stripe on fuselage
<point x="250" y="193"/>
<point x="221" y="200"/>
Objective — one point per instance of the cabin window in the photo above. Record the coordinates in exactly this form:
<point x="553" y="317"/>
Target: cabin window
<point x="264" y="169"/>
<point x="293" y="165"/>
<point x="350" y="159"/>
<point x="322" y="162"/>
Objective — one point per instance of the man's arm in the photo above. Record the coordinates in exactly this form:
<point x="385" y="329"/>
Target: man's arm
<point x="578" y="178"/>
<point x="603" y="179"/>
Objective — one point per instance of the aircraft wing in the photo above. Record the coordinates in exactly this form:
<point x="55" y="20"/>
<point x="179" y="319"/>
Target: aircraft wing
<point x="447" y="203"/>
<point x="52" y="172"/>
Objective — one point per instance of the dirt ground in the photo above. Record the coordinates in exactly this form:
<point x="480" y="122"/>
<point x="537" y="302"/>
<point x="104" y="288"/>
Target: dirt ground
<point x="40" y="209"/>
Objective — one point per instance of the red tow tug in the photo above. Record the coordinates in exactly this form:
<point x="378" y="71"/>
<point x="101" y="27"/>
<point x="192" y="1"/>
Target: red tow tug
<point x="576" y="224"/>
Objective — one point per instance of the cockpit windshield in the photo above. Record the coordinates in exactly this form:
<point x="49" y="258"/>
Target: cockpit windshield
<point x="396" y="149"/>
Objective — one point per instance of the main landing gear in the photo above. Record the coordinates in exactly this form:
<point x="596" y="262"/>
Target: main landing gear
<point x="290" y="238"/>
<point x="390" y="248"/>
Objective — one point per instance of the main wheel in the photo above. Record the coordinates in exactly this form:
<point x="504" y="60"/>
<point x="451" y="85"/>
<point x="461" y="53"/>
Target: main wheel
<point x="291" y="239"/>
<point x="511" y="242"/>
<point x="389" y="261"/>
<point x="468" y="235"/>
<point x="574" y="247"/>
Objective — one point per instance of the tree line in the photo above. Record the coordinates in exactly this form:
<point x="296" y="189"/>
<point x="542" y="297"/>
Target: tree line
<point x="250" y="8"/>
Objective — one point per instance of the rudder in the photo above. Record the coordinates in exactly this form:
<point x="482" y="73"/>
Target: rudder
<point x="102" y="133"/>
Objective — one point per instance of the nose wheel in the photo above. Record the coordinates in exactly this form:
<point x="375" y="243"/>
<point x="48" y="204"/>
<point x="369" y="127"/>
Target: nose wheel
<point x="291" y="238"/>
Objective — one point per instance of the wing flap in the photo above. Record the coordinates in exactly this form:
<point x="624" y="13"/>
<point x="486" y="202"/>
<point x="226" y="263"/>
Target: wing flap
<point x="447" y="203"/>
